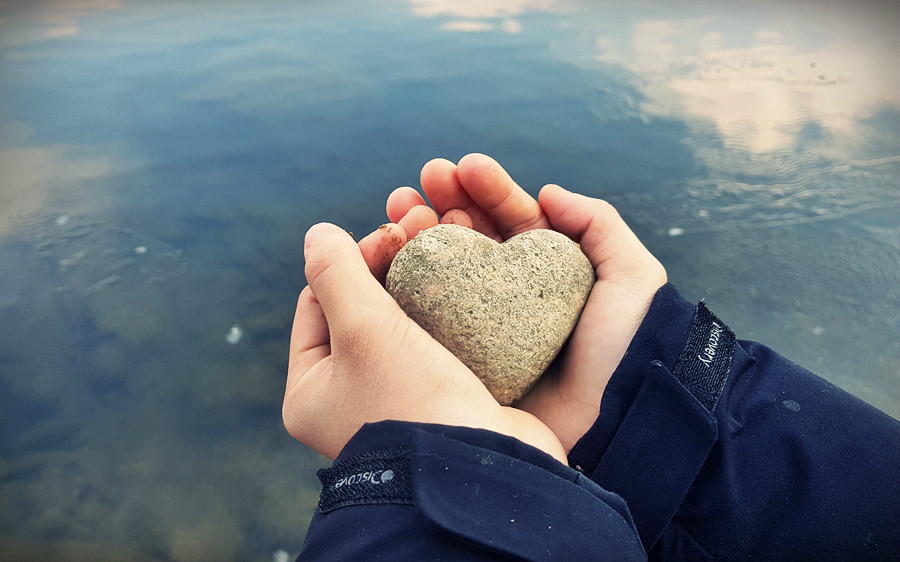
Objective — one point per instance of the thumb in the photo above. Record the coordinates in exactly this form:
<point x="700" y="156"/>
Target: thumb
<point x="339" y="278"/>
<point x="604" y="237"/>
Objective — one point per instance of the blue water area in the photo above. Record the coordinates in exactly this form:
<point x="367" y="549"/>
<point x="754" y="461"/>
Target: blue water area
<point x="161" y="161"/>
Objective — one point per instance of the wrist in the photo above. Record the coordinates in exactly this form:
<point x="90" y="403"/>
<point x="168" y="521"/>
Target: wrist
<point x="660" y="337"/>
<point x="528" y="429"/>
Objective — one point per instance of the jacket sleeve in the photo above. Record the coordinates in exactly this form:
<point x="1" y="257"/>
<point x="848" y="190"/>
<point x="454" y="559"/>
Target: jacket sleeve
<point x="724" y="450"/>
<point x="406" y="491"/>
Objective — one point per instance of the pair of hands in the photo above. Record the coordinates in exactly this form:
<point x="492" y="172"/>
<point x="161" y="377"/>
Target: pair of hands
<point x="356" y="357"/>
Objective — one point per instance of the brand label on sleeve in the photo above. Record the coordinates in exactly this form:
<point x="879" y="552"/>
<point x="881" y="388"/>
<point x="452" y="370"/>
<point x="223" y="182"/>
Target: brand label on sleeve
<point x="373" y="477"/>
<point x="706" y="358"/>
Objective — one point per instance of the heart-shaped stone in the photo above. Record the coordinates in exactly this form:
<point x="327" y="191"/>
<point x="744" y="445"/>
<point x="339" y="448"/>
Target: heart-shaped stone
<point x="505" y="310"/>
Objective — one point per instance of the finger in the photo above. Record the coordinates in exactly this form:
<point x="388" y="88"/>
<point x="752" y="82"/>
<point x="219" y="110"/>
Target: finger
<point x="310" y="341"/>
<point x="606" y="240"/>
<point x="446" y="193"/>
<point x="439" y="181"/>
<point x="379" y="248"/>
<point x="400" y="201"/>
<point x="510" y="208"/>
<point x="308" y="364"/>
<point x="458" y="217"/>
<point x="418" y="219"/>
<point x="340" y="279"/>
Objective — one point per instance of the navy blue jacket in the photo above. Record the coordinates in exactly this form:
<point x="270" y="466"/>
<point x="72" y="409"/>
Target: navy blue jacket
<point x="706" y="448"/>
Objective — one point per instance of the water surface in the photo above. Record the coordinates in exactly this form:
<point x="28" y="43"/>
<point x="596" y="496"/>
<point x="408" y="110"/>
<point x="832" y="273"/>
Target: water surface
<point x="160" y="162"/>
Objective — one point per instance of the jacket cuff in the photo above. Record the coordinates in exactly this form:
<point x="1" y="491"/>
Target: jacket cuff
<point x="484" y="488"/>
<point x="661" y="337"/>
<point x="658" y="408"/>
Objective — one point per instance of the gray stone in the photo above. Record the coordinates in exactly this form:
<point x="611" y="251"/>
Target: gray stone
<point x="505" y="310"/>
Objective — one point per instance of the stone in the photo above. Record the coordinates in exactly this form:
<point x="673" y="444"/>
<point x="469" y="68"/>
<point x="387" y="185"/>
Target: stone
<point x="505" y="310"/>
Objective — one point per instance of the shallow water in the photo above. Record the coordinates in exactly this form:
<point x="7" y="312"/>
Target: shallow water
<point x="160" y="162"/>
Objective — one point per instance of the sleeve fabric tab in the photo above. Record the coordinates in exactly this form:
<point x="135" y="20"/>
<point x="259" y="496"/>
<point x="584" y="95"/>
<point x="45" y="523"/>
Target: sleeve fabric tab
<point x="706" y="358"/>
<point x="372" y="477"/>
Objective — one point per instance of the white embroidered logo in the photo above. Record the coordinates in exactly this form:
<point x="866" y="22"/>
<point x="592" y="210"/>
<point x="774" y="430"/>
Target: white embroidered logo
<point x="369" y="477"/>
<point x="708" y="353"/>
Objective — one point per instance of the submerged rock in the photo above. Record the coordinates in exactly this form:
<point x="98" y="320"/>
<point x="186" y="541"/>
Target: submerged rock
<point x="505" y="310"/>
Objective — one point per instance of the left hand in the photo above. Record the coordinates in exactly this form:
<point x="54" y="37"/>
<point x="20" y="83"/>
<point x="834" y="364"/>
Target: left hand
<point x="356" y="357"/>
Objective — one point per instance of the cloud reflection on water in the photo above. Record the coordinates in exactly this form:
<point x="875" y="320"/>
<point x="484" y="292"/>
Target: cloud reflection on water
<point x="479" y="15"/>
<point x="759" y="95"/>
<point x="481" y="9"/>
<point x="760" y="80"/>
<point x="29" y="175"/>
<point x="25" y="22"/>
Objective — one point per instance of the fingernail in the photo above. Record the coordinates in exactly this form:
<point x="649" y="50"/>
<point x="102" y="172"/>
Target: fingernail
<point x="554" y="186"/>
<point x="317" y="230"/>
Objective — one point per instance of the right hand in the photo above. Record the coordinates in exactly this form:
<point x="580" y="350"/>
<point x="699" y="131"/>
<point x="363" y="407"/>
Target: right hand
<point x="478" y="192"/>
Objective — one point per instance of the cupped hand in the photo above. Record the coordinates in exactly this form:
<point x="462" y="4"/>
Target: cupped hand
<point x="478" y="192"/>
<point x="355" y="357"/>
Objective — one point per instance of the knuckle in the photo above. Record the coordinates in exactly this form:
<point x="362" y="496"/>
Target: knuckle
<point x="605" y="211"/>
<point x="293" y="421"/>
<point x="299" y="415"/>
